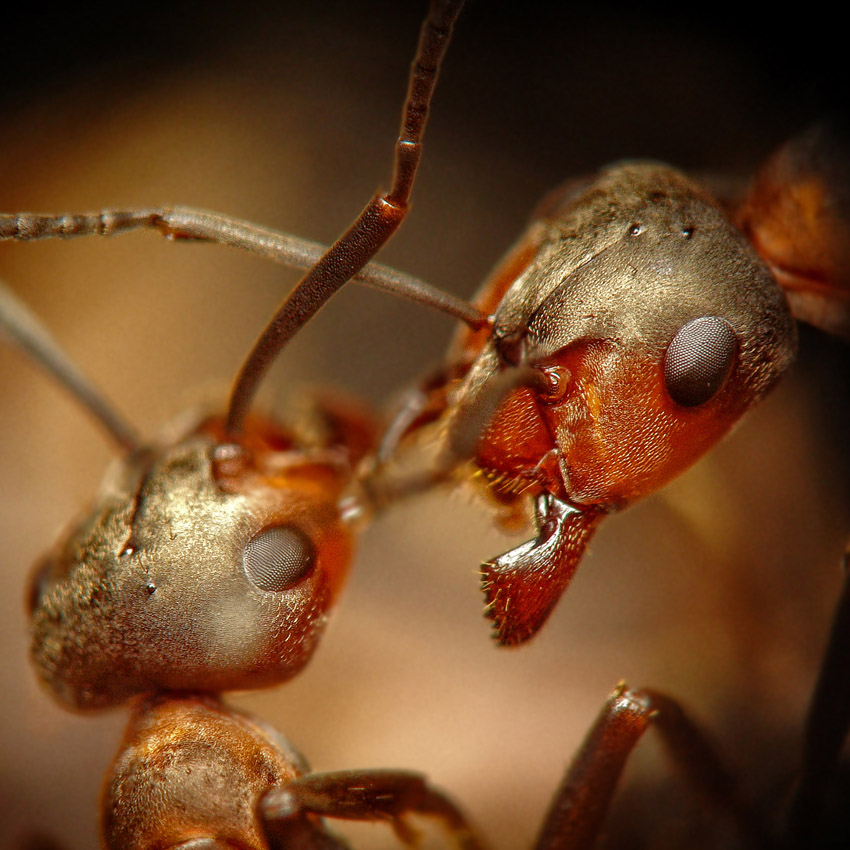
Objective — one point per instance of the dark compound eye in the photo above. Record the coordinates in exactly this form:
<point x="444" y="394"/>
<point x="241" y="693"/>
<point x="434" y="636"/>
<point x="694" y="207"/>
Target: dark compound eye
<point x="277" y="558"/>
<point x="699" y="359"/>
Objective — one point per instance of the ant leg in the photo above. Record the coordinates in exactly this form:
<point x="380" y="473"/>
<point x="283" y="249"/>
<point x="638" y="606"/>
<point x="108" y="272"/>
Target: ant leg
<point x="579" y="807"/>
<point x="457" y="441"/>
<point x="827" y="723"/>
<point x="367" y="795"/>
<point x="581" y="802"/>
<point x="419" y="406"/>
<point x="186" y="224"/>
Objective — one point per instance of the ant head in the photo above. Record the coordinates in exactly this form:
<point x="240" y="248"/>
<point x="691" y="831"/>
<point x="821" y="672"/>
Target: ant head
<point x="654" y="322"/>
<point x="210" y="563"/>
<point x="204" y="564"/>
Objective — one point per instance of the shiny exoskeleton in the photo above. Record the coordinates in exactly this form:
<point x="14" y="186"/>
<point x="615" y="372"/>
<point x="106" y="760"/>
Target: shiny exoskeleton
<point x="205" y="564"/>
<point x="210" y="559"/>
<point x="632" y="325"/>
<point x="629" y="329"/>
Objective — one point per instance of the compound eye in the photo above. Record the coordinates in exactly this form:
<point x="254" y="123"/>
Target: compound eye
<point x="699" y="359"/>
<point x="277" y="558"/>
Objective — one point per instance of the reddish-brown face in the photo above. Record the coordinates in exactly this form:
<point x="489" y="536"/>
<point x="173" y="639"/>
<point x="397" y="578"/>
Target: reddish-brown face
<point x="620" y="433"/>
<point x="656" y="326"/>
<point x="614" y="431"/>
<point x="641" y="325"/>
<point x="203" y="565"/>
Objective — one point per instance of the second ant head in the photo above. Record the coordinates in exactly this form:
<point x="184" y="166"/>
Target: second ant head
<point x="204" y="564"/>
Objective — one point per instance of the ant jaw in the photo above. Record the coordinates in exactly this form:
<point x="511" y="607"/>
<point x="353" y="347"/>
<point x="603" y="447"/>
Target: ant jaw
<point x="524" y="585"/>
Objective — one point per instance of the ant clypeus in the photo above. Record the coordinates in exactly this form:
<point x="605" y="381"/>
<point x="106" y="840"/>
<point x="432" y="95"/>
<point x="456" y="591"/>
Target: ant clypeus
<point x="557" y="688"/>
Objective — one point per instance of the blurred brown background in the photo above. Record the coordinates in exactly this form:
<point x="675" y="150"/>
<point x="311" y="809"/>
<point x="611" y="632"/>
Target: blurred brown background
<point x="718" y="590"/>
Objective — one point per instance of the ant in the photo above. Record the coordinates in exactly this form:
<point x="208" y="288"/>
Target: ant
<point x="209" y="560"/>
<point x="634" y="322"/>
<point x="207" y="563"/>
<point x="550" y="678"/>
<point x="248" y="784"/>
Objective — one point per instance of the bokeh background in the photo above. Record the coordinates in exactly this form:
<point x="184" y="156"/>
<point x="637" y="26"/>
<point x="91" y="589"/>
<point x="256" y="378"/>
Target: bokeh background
<point x="718" y="590"/>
